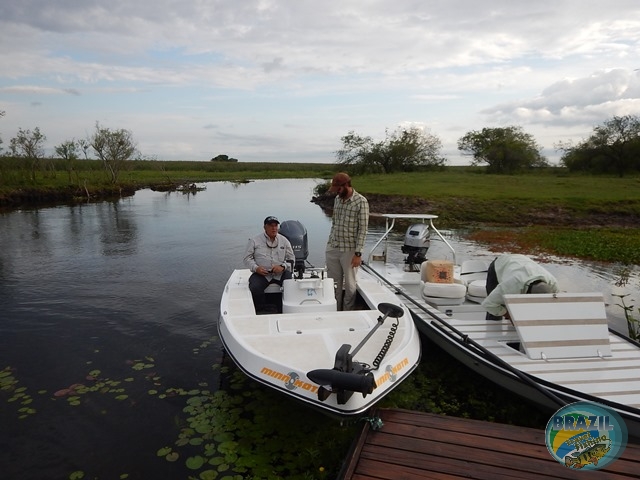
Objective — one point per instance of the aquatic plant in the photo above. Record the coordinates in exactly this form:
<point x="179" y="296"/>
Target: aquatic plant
<point x="633" y="324"/>
<point x="17" y="394"/>
<point x="244" y="430"/>
<point x="238" y="430"/>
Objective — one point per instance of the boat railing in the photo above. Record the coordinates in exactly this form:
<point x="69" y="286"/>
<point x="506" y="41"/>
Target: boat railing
<point x="391" y="217"/>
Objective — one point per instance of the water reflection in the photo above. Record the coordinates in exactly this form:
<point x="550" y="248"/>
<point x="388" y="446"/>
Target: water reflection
<point x="118" y="229"/>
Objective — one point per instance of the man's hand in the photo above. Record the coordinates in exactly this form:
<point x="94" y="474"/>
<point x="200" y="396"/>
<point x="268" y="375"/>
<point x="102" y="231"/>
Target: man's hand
<point x="277" y="269"/>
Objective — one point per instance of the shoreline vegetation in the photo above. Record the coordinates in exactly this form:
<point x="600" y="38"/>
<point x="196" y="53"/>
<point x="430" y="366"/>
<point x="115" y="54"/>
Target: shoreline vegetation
<point x="550" y="211"/>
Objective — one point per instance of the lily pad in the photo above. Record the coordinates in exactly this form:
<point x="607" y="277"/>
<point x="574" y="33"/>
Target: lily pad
<point x="194" y="463"/>
<point x="172" y="457"/>
<point x="163" y="451"/>
<point x="208" y="475"/>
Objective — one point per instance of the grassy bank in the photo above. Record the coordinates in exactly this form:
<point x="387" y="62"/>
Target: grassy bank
<point x="591" y="217"/>
<point x="588" y="217"/>
<point x="61" y="181"/>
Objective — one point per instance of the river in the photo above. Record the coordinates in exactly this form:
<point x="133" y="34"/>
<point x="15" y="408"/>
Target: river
<point x="108" y="326"/>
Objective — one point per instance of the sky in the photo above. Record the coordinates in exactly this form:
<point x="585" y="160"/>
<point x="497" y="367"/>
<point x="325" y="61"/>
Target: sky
<point x="284" y="81"/>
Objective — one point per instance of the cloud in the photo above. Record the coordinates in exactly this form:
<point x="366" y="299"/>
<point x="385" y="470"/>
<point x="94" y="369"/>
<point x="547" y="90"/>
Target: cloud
<point x="266" y="70"/>
<point x="577" y="101"/>
<point x="37" y="90"/>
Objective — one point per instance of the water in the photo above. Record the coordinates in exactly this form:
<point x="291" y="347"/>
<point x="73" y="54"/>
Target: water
<point x="122" y="297"/>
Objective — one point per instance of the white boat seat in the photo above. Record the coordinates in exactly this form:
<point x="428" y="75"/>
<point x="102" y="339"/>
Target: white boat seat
<point x="443" y="293"/>
<point x="477" y="291"/>
<point x="472" y="270"/>
<point x="273" y="288"/>
<point x="561" y="325"/>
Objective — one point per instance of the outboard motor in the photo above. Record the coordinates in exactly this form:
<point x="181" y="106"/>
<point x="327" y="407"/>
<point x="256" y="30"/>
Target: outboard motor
<point x="296" y="233"/>
<point x="416" y="244"/>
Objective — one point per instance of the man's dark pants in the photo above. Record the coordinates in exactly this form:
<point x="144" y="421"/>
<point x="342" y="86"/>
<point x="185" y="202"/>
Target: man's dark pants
<point x="492" y="283"/>
<point x="258" y="284"/>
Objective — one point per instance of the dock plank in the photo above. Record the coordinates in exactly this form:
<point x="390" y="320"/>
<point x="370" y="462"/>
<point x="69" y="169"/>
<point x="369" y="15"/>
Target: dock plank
<point x="417" y="446"/>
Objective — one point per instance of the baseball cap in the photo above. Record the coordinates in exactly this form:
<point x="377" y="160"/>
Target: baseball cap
<point x="271" y="219"/>
<point x="340" y="179"/>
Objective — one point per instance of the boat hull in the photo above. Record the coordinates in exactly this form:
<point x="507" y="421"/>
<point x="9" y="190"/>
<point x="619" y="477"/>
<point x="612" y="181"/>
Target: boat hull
<point x="279" y="350"/>
<point x="535" y="391"/>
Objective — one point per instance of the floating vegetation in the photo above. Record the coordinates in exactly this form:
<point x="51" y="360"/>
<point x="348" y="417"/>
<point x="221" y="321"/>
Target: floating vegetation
<point x="16" y="394"/>
<point x="241" y="430"/>
<point x="248" y="431"/>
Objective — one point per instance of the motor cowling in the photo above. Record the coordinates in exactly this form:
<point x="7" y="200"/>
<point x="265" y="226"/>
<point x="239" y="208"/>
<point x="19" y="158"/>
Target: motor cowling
<point x="296" y="233"/>
<point x="416" y="243"/>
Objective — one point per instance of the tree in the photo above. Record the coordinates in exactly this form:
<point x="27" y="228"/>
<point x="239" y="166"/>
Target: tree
<point x="114" y="148"/>
<point x="504" y="150"/>
<point x="30" y="146"/>
<point x="68" y="150"/>
<point x="2" y="112"/>
<point x="84" y="145"/>
<point x="223" y="158"/>
<point x="612" y="147"/>
<point x="404" y="149"/>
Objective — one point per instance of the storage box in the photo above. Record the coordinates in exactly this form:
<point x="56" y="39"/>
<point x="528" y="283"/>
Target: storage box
<point x="439" y="271"/>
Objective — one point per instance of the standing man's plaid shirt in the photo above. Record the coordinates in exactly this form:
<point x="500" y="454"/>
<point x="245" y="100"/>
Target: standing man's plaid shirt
<point x="349" y="223"/>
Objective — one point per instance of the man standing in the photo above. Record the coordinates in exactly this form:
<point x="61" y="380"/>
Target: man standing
<point x="346" y="240"/>
<point x="267" y="256"/>
<point x="514" y="274"/>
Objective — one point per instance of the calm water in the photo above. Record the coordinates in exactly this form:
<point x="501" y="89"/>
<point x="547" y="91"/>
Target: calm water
<point x="126" y="294"/>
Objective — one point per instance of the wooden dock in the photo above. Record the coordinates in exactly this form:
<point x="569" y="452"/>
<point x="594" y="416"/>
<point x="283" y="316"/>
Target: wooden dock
<point x="413" y="446"/>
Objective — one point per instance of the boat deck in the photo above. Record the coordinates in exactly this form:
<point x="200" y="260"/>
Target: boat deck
<point x="413" y="445"/>
<point x="614" y="377"/>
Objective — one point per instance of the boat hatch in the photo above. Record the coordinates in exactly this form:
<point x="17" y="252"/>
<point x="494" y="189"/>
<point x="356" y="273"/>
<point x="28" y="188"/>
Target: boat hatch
<point x="560" y="325"/>
<point x="346" y="321"/>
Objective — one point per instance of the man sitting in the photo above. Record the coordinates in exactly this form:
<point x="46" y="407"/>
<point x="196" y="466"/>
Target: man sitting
<point x="267" y="256"/>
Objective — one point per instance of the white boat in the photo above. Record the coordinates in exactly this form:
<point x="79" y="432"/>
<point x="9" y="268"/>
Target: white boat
<point x="342" y="362"/>
<point x="558" y="350"/>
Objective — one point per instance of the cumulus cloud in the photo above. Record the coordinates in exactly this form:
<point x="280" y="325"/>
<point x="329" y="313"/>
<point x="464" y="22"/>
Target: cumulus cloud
<point x="577" y="101"/>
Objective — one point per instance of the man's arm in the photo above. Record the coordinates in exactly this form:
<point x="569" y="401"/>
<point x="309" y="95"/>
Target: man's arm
<point x="363" y="225"/>
<point x="249" y="257"/>
<point x="494" y="302"/>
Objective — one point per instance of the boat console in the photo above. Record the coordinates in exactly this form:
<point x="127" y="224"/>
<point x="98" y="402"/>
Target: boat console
<point x="313" y="292"/>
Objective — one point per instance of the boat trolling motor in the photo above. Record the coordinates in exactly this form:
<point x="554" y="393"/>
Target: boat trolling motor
<point x="296" y="233"/>
<point x="416" y="243"/>
<point x="348" y="375"/>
